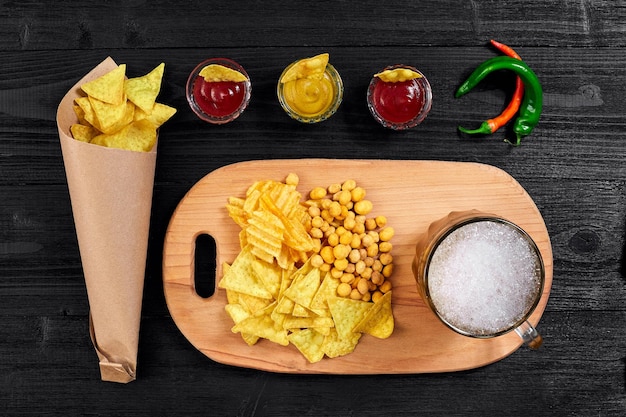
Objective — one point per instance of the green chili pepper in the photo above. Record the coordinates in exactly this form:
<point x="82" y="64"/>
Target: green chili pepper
<point x="530" y="109"/>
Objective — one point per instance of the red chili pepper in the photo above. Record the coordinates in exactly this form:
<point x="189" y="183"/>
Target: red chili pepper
<point x="491" y="125"/>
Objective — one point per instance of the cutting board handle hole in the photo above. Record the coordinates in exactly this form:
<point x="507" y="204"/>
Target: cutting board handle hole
<point x="205" y="265"/>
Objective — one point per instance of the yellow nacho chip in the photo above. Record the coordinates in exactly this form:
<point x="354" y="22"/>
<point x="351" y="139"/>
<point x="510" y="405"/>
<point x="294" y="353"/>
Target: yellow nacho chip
<point x="285" y="305"/>
<point x="347" y="313"/>
<point x="397" y="75"/>
<point x="379" y="321"/>
<point x="112" y="117"/>
<point x="270" y="275"/>
<point x="109" y="87"/>
<point x="253" y="304"/>
<point x="327" y="289"/>
<point x="250" y="339"/>
<point x="83" y="133"/>
<point x="216" y="72"/>
<point x="87" y="112"/>
<point x="309" y="343"/>
<point x="262" y="325"/>
<point x="143" y="91"/>
<point x="241" y="278"/>
<point x="80" y="114"/>
<point x="307" y="322"/>
<point x="159" y="114"/>
<point x="237" y="313"/>
<point x="300" y="311"/>
<point x="304" y="287"/>
<point x="335" y="346"/>
<point x="313" y="67"/>
<point x="138" y="136"/>
<point x="232" y="297"/>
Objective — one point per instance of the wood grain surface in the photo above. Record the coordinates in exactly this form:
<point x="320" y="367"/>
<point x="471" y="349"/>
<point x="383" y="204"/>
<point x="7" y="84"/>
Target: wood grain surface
<point x="426" y="192"/>
<point x="573" y="166"/>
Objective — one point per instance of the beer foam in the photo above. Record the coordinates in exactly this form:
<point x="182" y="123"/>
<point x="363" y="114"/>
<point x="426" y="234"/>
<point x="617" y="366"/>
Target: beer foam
<point x="484" y="277"/>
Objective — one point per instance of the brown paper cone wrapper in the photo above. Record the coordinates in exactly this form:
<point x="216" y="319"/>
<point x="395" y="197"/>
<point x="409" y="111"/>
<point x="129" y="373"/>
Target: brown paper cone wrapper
<point x="111" y="195"/>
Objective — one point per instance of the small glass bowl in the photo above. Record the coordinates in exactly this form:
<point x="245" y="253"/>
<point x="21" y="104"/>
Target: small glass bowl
<point x="333" y="75"/>
<point x="422" y="85"/>
<point x="194" y="77"/>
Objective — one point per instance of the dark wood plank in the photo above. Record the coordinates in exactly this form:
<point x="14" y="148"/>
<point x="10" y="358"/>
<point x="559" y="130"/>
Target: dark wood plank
<point x="139" y="24"/>
<point x="48" y="365"/>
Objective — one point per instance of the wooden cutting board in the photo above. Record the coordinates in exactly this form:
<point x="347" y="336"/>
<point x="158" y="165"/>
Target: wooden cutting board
<point x="411" y="194"/>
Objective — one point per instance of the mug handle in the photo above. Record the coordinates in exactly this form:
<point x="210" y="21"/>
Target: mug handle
<point x="529" y="335"/>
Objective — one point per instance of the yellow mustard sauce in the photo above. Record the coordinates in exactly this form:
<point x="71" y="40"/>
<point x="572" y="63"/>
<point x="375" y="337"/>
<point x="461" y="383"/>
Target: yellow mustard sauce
<point x="310" y="97"/>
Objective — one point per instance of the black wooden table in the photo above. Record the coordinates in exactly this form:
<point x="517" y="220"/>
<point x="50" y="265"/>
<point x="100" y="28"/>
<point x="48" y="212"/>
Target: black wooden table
<point x="573" y="165"/>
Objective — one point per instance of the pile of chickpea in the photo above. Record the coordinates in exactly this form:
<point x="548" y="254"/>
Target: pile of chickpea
<point x="354" y="248"/>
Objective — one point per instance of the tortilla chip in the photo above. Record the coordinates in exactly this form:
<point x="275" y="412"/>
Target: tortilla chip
<point x="253" y="304"/>
<point x="312" y="67"/>
<point x="335" y="346"/>
<point x="300" y="311"/>
<point x="303" y="288"/>
<point x="232" y="297"/>
<point x="240" y="276"/>
<point x="237" y="313"/>
<point x="159" y="114"/>
<point x="137" y="136"/>
<point x="263" y="326"/>
<point x="379" y="321"/>
<point x="327" y="289"/>
<point x="270" y="275"/>
<point x="109" y="87"/>
<point x="144" y="90"/>
<point x="111" y="117"/>
<point x="87" y="111"/>
<point x="83" y="133"/>
<point x="216" y="72"/>
<point x="309" y="343"/>
<point x="307" y="322"/>
<point x="347" y="313"/>
<point x="80" y="114"/>
<point x="285" y="305"/>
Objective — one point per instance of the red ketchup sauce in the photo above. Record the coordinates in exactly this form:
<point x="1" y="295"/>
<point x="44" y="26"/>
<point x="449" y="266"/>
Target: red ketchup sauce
<point x="218" y="99"/>
<point x="398" y="102"/>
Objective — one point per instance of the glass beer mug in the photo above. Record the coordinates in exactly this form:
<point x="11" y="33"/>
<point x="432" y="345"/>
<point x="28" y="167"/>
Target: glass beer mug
<point x="481" y="275"/>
